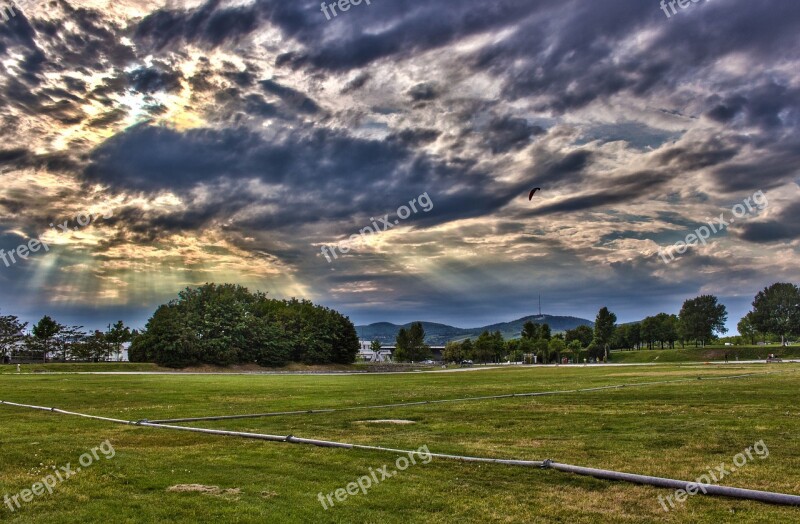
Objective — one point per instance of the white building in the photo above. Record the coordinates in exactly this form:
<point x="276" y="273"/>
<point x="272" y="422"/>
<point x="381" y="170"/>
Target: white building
<point x="366" y="354"/>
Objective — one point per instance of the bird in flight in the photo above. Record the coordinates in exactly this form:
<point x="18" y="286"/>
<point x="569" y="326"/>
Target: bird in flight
<point x="530" y="197"/>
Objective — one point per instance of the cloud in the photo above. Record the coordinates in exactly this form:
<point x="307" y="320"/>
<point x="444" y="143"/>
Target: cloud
<point x="260" y="130"/>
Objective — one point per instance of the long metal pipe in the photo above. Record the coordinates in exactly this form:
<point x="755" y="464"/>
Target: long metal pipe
<point x="705" y="489"/>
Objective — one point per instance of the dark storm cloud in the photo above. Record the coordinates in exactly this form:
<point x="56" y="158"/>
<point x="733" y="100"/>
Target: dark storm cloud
<point x="560" y="169"/>
<point x="20" y="158"/>
<point x="108" y="119"/>
<point x="295" y="99"/>
<point x="773" y="168"/>
<point x="356" y="83"/>
<point x="306" y="167"/>
<point x="422" y="92"/>
<point x="88" y="44"/>
<point x="510" y="133"/>
<point x="16" y="31"/>
<point x="697" y="156"/>
<point x="415" y="137"/>
<point x="625" y="189"/>
<point x="784" y="227"/>
<point x="210" y="24"/>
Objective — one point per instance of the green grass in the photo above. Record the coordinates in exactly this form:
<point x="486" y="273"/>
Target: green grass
<point x="675" y="430"/>
<point x="78" y="368"/>
<point x="709" y="354"/>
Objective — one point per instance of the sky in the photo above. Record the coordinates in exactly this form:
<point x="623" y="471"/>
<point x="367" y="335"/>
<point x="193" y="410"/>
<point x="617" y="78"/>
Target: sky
<point x="150" y="146"/>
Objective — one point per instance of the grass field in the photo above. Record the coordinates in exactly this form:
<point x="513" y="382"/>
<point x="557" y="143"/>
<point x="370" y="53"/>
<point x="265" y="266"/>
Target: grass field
<point x="709" y="354"/>
<point x="670" y="430"/>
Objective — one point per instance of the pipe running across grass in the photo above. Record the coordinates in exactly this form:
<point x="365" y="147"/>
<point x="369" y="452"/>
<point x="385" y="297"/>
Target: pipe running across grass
<point x="709" y="490"/>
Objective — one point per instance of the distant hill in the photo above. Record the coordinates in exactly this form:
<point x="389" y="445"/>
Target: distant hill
<point x="440" y="334"/>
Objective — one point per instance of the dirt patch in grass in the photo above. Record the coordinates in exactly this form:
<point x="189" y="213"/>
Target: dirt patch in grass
<point x="199" y="488"/>
<point x="386" y="421"/>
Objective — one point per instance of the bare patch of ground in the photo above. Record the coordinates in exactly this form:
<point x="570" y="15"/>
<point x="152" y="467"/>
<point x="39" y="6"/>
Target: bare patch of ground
<point x="386" y="421"/>
<point x="199" y="488"/>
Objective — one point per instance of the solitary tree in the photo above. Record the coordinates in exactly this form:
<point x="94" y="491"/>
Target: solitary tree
<point x="117" y="335"/>
<point x="416" y="339"/>
<point x="411" y="344"/>
<point x="702" y="317"/>
<point x="375" y="346"/>
<point x="604" y="328"/>
<point x="44" y="331"/>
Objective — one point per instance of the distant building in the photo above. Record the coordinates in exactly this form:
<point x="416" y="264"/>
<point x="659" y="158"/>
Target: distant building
<point x="366" y="354"/>
<point x="122" y="355"/>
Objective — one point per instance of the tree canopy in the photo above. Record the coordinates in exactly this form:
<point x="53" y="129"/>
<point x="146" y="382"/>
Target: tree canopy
<point x="226" y="324"/>
<point x="410" y="344"/>
<point x="776" y="310"/>
<point x="703" y="317"/>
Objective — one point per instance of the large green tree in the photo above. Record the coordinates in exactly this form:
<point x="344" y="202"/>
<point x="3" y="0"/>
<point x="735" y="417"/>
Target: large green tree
<point x="44" y="333"/>
<point x="776" y="310"/>
<point x="702" y="317"/>
<point x="604" y="326"/>
<point x="411" y="346"/>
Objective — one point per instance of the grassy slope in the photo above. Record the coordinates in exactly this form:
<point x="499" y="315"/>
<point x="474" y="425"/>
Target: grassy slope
<point x="704" y="355"/>
<point x="670" y="430"/>
<point x="103" y="366"/>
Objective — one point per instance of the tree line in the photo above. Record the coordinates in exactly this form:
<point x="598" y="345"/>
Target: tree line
<point x="775" y="313"/>
<point x="52" y="340"/>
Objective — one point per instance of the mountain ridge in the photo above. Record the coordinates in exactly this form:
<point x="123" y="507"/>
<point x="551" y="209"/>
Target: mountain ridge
<point x="439" y="334"/>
